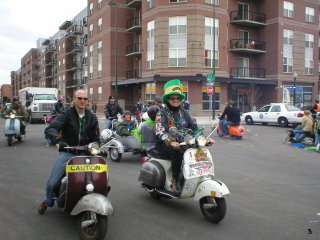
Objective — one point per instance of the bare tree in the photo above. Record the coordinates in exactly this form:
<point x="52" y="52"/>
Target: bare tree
<point x="253" y="95"/>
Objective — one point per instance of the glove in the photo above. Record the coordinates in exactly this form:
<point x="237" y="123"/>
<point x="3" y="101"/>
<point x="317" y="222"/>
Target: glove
<point x="61" y="146"/>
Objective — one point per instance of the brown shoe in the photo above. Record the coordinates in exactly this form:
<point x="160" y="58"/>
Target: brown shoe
<point x="42" y="208"/>
<point x="175" y="186"/>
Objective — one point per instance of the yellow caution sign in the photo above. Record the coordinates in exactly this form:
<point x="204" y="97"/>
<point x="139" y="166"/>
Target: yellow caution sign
<point x="87" y="168"/>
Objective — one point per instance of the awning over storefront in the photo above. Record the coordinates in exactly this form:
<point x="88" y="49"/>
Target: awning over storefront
<point x="247" y="80"/>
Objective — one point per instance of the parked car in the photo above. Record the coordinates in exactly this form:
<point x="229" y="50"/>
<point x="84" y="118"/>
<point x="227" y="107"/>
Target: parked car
<point x="279" y="113"/>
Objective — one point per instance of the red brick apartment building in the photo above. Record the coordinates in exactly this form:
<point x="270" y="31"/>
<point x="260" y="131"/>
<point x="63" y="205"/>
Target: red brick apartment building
<point x="130" y="48"/>
<point x="5" y="92"/>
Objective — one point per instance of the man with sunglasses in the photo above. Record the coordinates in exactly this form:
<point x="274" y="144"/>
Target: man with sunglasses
<point x="79" y="127"/>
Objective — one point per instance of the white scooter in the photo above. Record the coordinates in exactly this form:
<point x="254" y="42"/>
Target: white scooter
<point x="197" y="179"/>
<point x="12" y="128"/>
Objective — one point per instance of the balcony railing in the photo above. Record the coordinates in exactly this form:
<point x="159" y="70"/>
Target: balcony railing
<point x="51" y="48"/>
<point x="244" y="72"/>
<point x="134" y="3"/>
<point x="248" y="18"/>
<point x="134" y="50"/>
<point x="85" y="21"/>
<point x="51" y="61"/>
<point x="133" y="74"/>
<point x="74" y="31"/>
<point x="76" y="82"/>
<point x="247" y="46"/>
<point x="75" y="66"/>
<point x="75" y="48"/>
<point x="134" y="24"/>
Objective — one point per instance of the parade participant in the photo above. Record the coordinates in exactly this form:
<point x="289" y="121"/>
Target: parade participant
<point x="124" y="128"/>
<point x="304" y="128"/>
<point x="317" y="131"/>
<point x="111" y="110"/>
<point x="315" y="108"/>
<point x="79" y="127"/>
<point x="233" y="116"/>
<point x="172" y="115"/>
<point x="19" y="110"/>
<point x="58" y="107"/>
<point x="147" y="128"/>
<point x="157" y="101"/>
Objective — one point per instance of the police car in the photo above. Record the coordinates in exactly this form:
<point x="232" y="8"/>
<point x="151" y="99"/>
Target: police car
<point x="278" y="113"/>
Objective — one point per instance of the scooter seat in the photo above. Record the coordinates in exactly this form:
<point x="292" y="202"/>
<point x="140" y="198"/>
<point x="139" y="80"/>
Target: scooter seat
<point x="152" y="152"/>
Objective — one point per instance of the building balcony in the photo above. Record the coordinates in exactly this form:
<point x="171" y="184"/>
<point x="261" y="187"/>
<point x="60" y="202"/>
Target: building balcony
<point x="134" y="50"/>
<point x="248" y="18"/>
<point x="74" y="49"/>
<point x="133" y="3"/>
<point x="244" y="72"/>
<point x="51" y="48"/>
<point x="85" y="21"/>
<point x="132" y="74"/>
<point x="247" y="46"/>
<point x="73" y="67"/>
<point x="74" y="31"/>
<point x="51" y="61"/>
<point x="134" y="25"/>
<point x="77" y="82"/>
<point x="84" y="60"/>
<point x="49" y="74"/>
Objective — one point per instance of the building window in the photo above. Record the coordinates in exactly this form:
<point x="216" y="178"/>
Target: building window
<point x="150" y="29"/>
<point x="176" y="1"/>
<point x="100" y="59"/>
<point x="150" y="3"/>
<point x="99" y="24"/>
<point x="208" y="58"/>
<point x="287" y="37"/>
<point x="99" y="4"/>
<point x="185" y="89"/>
<point x="178" y="25"/>
<point x="288" y="9"/>
<point x="206" y="97"/>
<point x="209" y="26"/>
<point x="177" y="57"/>
<point x="287" y="64"/>
<point x="91" y="51"/>
<point x="91" y="9"/>
<point x="91" y="30"/>
<point x="90" y="93"/>
<point x="99" y="93"/>
<point x="309" y="66"/>
<point x="150" y="59"/>
<point x="99" y="47"/>
<point x="309" y="14"/>
<point x="309" y="39"/>
<point x="150" y="92"/>
<point x="215" y="2"/>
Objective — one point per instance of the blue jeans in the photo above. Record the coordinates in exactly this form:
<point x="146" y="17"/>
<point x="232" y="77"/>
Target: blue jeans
<point x="224" y="125"/>
<point x="317" y="140"/>
<point x="107" y="124"/>
<point x="58" y="171"/>
<point x="299" y="135"/>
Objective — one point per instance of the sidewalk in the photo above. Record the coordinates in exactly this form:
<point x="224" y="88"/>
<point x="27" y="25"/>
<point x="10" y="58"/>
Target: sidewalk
<point x="200" y="120"/>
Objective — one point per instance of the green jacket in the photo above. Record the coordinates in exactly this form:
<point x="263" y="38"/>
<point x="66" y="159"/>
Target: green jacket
<point x="18" y="109"/>
<point x="123" y="129"/>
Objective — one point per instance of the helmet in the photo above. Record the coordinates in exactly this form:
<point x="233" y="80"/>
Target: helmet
<point x="15" y="98"/>
<point x="158" y="99"/>
<point x="152" y="112"/>
<point x="106" y="134"/>
<point x="111" y="97"/>
<point x="145" y="116"/>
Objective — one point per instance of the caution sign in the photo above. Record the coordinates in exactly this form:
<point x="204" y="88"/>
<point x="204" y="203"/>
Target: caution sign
<point x="87" y="168"/>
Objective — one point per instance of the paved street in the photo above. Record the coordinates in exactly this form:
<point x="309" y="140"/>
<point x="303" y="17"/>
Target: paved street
<point x="275" y="192"/>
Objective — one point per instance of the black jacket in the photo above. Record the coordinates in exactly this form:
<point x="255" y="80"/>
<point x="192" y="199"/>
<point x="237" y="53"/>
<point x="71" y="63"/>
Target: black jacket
<point x="233" y="114"/>
<point x="69" y="123"/>
<point x="111" y="110"/>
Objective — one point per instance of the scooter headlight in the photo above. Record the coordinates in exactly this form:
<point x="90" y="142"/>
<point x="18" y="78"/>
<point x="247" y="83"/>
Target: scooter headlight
<point x="202" y="141"/>
<point x="90" y="187"/>
<point x="12" y="116"/>
<point x="93" y="148"/>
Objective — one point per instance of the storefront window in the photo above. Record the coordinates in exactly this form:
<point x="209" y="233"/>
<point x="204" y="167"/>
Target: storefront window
<point x="150" y="92"/>
<point x="303" y="95"/>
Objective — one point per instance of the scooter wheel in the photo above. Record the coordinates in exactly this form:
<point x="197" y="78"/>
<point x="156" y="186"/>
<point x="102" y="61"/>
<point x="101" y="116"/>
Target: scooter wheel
<point x="238" y="137"/>
<point x="9" y="140"/>
<point x="95" y="231"/>
<point x="216" y="213"/>
<point x="115" y="155"/>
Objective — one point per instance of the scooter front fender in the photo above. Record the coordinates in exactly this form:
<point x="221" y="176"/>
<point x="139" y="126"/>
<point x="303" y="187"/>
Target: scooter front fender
<point x="114" y="144"/>
<point x="93" y="202"/>
<point x="212" y="188"/>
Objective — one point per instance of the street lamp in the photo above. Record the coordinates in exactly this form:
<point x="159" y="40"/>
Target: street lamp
<point x="294" y="87"/>
<point x="113" y="3"/>
<point x="214" y="61"/>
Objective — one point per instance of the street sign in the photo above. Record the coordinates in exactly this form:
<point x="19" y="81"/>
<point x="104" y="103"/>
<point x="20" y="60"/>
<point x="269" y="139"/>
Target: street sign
<point x="210" y="90"/>
<point x="210" y="77"/>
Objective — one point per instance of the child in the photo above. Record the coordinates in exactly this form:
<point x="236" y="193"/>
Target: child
<point x="124" y="128"/>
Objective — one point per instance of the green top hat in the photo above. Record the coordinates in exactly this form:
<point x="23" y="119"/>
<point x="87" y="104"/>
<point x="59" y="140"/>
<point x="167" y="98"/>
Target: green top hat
<point x="173" y="87"/>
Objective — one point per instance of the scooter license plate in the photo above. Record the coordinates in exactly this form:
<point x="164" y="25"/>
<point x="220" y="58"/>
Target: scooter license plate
<point x="86" y="168"/>
<point x="197" y="169"/>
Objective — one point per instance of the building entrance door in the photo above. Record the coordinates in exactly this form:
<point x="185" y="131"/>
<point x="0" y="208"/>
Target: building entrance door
<point x="239" y="96"/>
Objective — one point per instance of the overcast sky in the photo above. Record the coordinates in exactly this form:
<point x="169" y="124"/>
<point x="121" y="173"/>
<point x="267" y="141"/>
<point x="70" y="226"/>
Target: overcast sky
<point x="23" y="22"/>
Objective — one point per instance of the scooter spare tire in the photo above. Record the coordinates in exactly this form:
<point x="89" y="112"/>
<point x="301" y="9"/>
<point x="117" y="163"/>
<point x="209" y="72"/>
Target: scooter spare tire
<point x="92" y="226"/>
<point x="215" y="213"/>
<point x="115" y="155"/>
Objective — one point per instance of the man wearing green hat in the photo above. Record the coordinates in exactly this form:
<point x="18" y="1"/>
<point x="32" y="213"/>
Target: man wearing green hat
<point x="172" y="115"/>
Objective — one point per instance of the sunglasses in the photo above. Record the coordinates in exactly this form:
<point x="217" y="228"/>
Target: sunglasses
<point x="174" y="98"/>
<point x="82" y="98"/>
